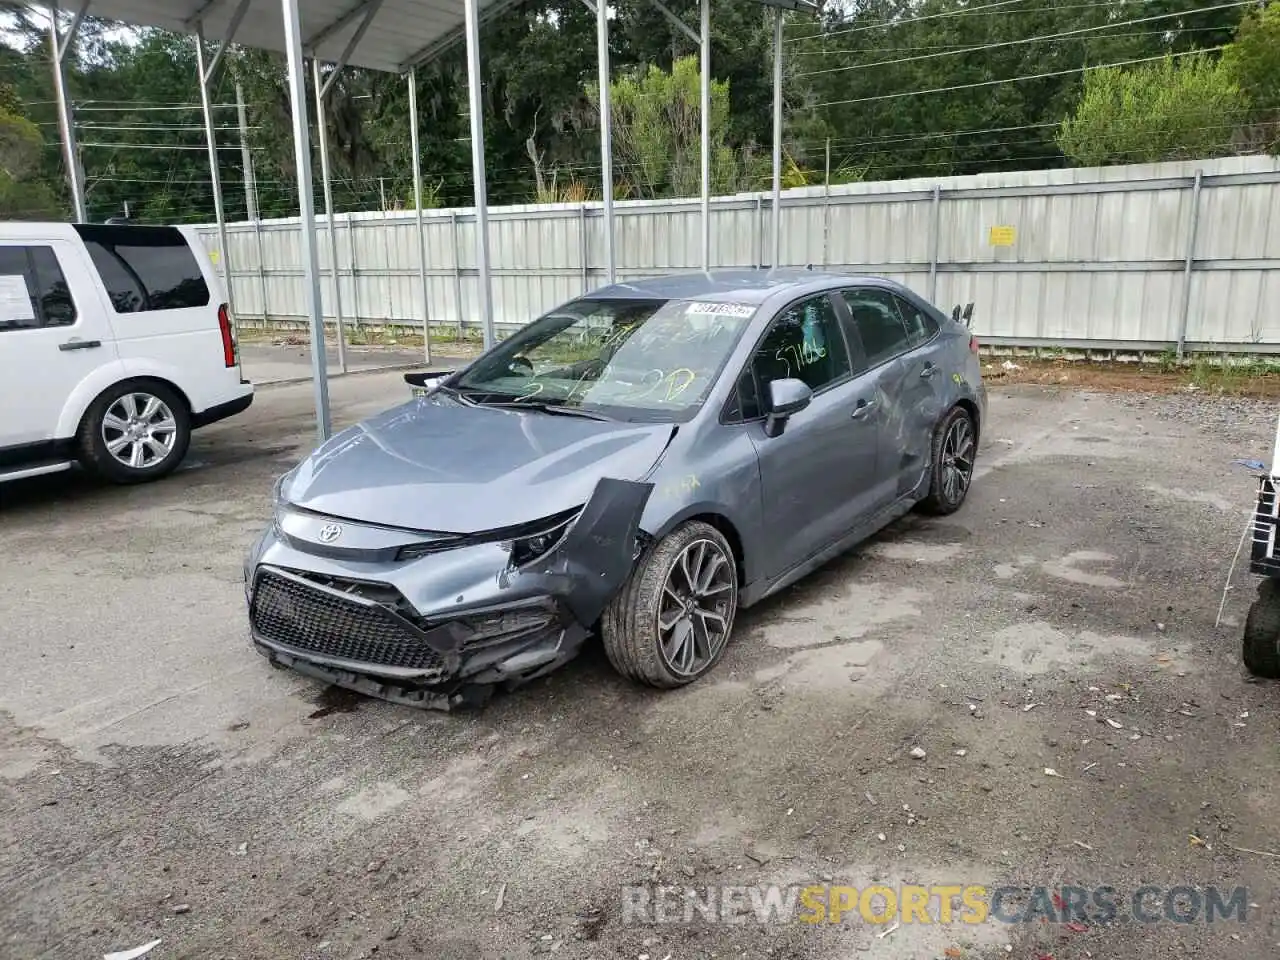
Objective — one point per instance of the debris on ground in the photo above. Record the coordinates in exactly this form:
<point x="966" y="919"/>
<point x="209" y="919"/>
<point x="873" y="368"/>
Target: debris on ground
<point x="917" y="753"/>
<point x="132" y="954"/>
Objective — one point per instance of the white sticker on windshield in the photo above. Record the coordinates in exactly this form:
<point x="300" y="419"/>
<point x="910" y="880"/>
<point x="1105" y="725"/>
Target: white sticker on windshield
<point x="741" y="310"/>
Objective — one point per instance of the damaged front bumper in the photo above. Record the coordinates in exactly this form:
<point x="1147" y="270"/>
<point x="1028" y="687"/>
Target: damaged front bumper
<point x="438" y="620"/>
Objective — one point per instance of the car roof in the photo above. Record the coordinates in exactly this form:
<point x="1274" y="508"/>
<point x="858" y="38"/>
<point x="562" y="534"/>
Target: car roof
<point x="730" y="286"/>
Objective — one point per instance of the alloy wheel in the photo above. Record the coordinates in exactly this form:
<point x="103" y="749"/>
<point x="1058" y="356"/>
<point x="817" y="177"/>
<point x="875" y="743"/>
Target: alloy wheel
<point x="695" y="614"/>
<point x="957" y="459"/>
<point x="139" y="430"/>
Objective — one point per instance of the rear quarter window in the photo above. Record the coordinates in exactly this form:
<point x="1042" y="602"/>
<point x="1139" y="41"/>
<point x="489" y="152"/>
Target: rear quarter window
<point x="145" y="268"/>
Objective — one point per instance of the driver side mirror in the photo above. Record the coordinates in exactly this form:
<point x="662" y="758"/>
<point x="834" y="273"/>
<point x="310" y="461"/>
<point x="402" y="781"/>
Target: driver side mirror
<point x="787" y="397"/>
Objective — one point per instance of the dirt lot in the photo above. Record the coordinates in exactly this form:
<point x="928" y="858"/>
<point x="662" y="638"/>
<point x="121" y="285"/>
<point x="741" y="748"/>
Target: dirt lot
<point x="159" y="780"/>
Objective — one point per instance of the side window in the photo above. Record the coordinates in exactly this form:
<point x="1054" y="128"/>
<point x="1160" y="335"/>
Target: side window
<point x="33" y="290"/>
<point x="145" y="268"/>
<point x="745" y="402"/>
<point x="875" y="316"/>
<point x="803" y="342"/>
<point x="921" y="327"/>
<point x="123" y="287"/>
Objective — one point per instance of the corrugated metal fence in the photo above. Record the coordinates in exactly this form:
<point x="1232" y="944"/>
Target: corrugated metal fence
<point x="1133" y="257"/>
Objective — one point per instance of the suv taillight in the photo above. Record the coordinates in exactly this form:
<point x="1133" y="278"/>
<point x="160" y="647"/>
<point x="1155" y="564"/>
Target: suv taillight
<point x="228" y="339"/>
<point x="973" y="344"/>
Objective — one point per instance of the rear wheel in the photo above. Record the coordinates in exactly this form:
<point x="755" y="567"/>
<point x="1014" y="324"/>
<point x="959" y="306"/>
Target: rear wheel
<point x="134" y="432"/>
<point x="955" y="445"/>
<point x="671" y="623"/>
<point x="1262" y="632"/>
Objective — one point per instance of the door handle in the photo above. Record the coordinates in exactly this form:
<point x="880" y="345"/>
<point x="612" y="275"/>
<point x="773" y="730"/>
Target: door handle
<point x="79" y="344"/>
<point x="928" y="371"/>
<point x="864" y="407"/>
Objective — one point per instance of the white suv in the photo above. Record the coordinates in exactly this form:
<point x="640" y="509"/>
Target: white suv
<point x="115" y="343"/>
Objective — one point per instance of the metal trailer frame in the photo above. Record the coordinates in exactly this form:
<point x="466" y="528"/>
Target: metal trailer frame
<point x="297" y="48"/>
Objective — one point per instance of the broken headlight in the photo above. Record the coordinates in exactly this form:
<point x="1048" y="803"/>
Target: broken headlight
<point x="544" y="536"/>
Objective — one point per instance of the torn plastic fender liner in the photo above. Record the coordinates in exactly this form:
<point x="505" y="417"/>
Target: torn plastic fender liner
<point x="597" y="555"/>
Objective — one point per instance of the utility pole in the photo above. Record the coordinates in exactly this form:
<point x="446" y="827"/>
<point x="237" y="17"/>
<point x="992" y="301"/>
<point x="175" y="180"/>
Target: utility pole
<point x="246" y="157"/>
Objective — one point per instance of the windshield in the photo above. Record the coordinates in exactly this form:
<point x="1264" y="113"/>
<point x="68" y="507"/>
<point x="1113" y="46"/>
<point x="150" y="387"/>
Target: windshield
<point x="624" y="359"/>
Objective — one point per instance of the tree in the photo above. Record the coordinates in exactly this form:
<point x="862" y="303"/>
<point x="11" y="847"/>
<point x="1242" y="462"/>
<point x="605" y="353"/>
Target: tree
<point x="1170" y="110"/>
<point x="657" y="132"/>
<point x="1253" y="61"/>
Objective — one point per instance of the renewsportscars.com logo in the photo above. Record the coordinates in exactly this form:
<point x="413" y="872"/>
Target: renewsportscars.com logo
<point x="879" y="904"/>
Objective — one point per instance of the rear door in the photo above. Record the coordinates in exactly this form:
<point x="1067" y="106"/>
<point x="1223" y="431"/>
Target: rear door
<point x="926" y="386"/>
<point x="166" y="309"/>
<point x="876" y="322"/>
<point x="53" y="335"/>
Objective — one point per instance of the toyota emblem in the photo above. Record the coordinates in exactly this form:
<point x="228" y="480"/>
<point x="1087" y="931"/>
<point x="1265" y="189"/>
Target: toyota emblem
<point x="330" y="532"/>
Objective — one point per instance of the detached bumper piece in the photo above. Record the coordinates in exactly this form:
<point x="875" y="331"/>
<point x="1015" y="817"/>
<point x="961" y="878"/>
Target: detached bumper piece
<point x="1264" y="560"/>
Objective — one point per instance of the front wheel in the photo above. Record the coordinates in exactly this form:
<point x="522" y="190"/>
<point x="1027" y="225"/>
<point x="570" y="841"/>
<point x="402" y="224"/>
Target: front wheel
<point x="671" y="623"/>
<point x="955" y="446"/>
<point x="134" y="432"/>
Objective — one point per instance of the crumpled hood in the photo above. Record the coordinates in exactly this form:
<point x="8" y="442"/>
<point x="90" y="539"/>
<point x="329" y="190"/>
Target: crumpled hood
<point x="438" y="465"/>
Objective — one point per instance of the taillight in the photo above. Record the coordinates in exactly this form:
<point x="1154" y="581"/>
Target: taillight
<point x="973" y="344"/>
<point x="228" y="339"/>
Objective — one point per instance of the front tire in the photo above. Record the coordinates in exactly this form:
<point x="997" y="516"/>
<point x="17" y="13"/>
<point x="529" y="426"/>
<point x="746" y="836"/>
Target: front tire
<point x="1262" y="632"/>
<point x="671" y="623"/>
<point x="955" y="446"/>
<point x="134" y="432"/>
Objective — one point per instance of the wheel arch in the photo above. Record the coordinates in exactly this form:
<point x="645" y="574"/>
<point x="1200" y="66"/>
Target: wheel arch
<point x="137" y="381"/>
<point x="966" y="404"/>
<point x="720" y="521"/>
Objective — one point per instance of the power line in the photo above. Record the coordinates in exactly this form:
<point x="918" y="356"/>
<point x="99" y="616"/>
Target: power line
<point x="1033" y="76"/>
<point x="975" y="11"/>
<point x="1012" y="43"/>
<point x="856" y="51"/>
<point x="897" y="23"/>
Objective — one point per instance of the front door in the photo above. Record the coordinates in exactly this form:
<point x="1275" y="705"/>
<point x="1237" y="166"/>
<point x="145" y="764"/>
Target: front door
<point x="820" y="474"/>
<point x="53" y="334"/>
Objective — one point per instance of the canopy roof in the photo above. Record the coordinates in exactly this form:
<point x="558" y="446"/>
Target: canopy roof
<point x="400" y="34"/>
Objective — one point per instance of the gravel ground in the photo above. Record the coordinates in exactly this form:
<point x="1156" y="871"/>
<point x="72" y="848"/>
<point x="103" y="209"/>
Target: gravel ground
<point x="158" y="780"/>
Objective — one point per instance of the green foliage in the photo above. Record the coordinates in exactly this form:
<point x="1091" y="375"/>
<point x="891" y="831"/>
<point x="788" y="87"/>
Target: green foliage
<point x="1169" y="110"/>
<point x="142" y="139"/>
<point x="1253" y="59"/>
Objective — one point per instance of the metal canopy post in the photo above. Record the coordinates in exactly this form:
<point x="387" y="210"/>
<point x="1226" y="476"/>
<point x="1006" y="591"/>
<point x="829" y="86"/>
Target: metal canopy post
<point x="475" y="102"/>
<point x="606" y="137"/>
<point x="326" y="184"/>
<point x="206" y="71"/>
<point x="306" y="210"/>
<point x="66" y="125"/>
<point x="705" y="81"/>
<point x="777" y="139"/>
<point x="417" y="209"/>
<point x="368" y="9"/>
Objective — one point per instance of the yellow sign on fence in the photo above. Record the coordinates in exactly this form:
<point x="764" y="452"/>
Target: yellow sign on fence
<point x="1003" y="236"/>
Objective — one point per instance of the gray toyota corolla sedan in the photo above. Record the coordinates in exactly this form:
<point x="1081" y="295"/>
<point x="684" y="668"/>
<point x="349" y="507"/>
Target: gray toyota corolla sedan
<point x="641" y="462"/>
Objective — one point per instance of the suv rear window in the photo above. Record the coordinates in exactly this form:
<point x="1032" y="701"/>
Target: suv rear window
<point x="145" y="268"/>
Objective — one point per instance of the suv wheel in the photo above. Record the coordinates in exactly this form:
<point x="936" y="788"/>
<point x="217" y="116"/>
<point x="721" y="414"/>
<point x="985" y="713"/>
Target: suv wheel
<point x="671" y="623"/>
<point x="134" y="432"/>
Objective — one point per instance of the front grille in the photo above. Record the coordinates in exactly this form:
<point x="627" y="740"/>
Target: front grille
<point x="295" y="614"/>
